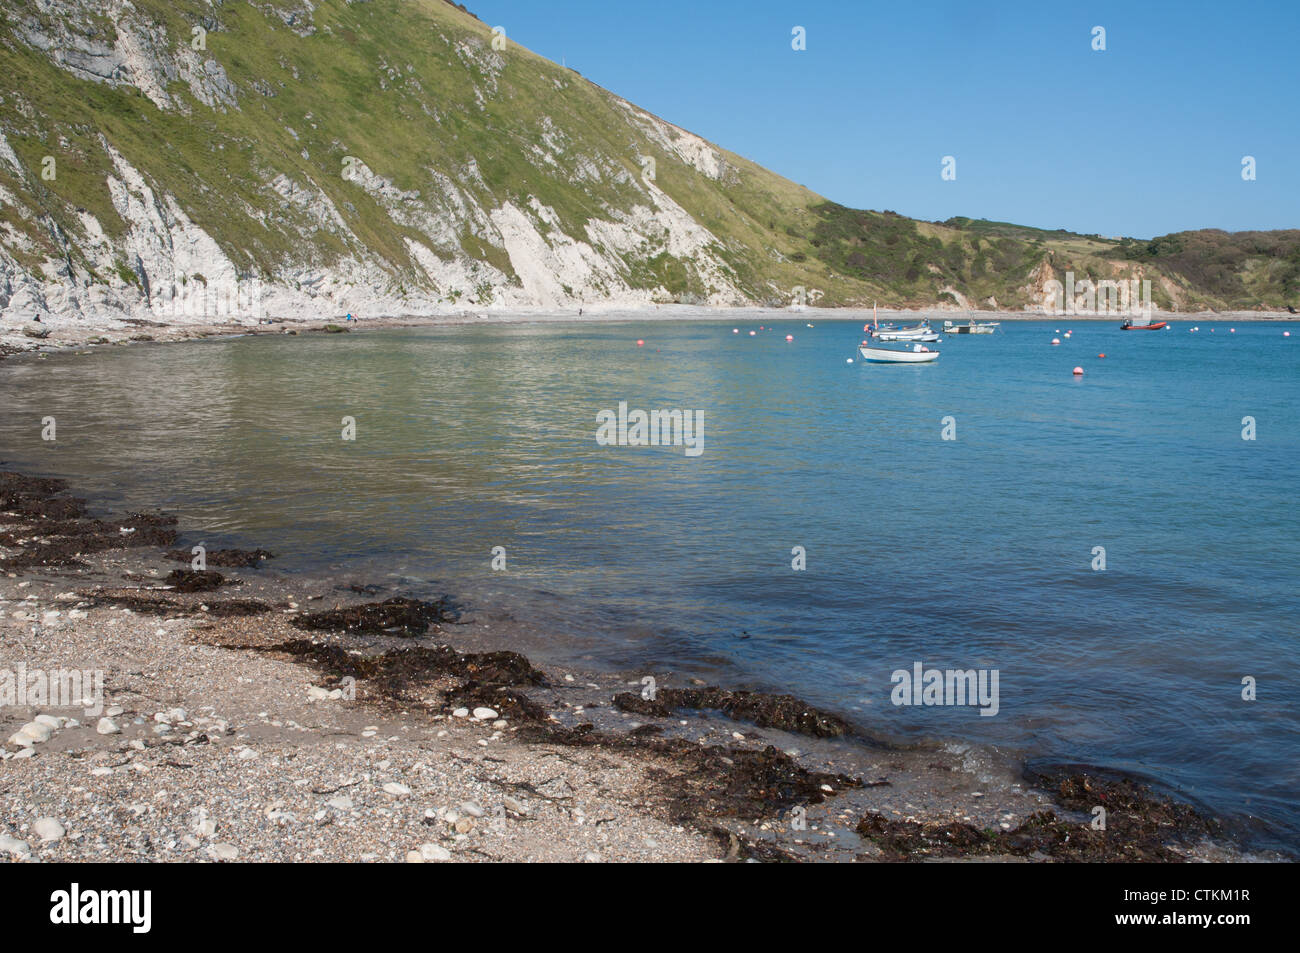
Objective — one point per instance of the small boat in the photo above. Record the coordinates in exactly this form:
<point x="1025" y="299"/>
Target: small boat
<point x="1128" y="325"/>
<point x="926" y="336"/>
<point x="918" y="354"/>
<point x="971" y="328"/>
<point x="915" y="329"/>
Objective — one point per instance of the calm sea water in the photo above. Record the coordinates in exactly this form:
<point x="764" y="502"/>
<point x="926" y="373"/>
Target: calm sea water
<point x="970" y="553"/>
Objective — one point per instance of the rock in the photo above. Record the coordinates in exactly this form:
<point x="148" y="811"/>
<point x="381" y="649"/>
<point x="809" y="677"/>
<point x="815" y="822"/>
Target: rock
<point x="484" y="714"/>
<point x="114" y="711"/>
<point x="470" y="808"/>
<point x="106" y="726"/>
<point x="514" y="805"/>
<point x="341" y="803"/>
<point x="32" y="733"/>
<point x="464" y="825"/>
<point x="50" y="721"/>
<point x="13" y="846"/>
<point x="48" y="829"/>
<point x="226" y="852"/>
<point x="100" y="772"/>
<point x="396" y="790"/>
<point x="414" y="857"/>
<point x="460" y="713"/>
<point x="432" y="852"/>
<point x="315" y="694"/>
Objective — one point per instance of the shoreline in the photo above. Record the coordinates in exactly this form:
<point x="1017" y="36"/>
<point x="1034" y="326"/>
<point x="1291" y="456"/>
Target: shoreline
<point x="232" y="704"/>
<point x="67" y="333"/>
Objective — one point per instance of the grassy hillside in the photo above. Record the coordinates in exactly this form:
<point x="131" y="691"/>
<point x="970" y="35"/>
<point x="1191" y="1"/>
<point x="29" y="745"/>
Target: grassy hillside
<point x="253" y="135"/>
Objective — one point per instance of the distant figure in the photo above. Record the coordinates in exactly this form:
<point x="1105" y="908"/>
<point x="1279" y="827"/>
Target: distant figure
<point x="579" y="312"/>
<point x="1288" y="307"/>
<point x="349" y="317"/>
<point x="37" y="317"/>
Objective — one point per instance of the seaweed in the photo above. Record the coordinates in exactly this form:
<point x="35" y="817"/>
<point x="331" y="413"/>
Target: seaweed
<point x="785" y="712"/>
<point x="195" y="580"/>
<point x="396" y="616"/>
<point x="225" y="558"/>
<point x="1141" y="827"/>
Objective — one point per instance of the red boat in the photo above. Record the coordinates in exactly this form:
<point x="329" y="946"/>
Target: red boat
<point x="1130" y="326"/>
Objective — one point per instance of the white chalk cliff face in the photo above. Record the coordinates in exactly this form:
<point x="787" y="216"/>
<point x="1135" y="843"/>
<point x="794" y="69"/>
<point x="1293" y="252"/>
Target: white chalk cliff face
<point x="111" y="232"/>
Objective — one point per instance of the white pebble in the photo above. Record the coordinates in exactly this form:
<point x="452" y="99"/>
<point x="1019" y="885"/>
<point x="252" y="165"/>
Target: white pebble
<point x="106" y="726"/>
<point x="48" y="829"/>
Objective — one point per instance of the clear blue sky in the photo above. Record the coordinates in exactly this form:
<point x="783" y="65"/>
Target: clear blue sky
<point x="1142" y="139"/>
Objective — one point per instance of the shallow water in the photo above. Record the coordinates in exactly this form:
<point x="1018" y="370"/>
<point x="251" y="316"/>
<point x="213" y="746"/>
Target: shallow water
<point x="966" y="553"/>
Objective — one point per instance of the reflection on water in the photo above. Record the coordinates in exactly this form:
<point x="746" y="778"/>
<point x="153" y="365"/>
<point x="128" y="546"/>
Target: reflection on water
<point x="966" y="553"/>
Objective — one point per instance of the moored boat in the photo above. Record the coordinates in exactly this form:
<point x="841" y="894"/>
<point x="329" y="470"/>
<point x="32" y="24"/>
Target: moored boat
<point x="918" y="354"/>
<point x="925" y="336"/>
<point x="1128" y="325"/>
<point x="971" y="328"/>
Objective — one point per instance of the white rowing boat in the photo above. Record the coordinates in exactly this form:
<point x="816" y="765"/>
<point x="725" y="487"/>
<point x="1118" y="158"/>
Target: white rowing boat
<point x="889" y="355"/>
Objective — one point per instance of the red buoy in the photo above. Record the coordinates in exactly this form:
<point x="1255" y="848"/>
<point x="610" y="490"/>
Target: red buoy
<point x="640" y="343"/>
<point x="1078" y="372"/>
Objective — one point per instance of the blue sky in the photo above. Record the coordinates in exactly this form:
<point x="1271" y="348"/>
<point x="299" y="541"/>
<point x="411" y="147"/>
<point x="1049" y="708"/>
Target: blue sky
<point x="1142" y="139"/>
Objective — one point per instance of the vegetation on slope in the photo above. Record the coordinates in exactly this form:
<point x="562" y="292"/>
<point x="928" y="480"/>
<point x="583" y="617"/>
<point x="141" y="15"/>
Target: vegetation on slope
<point x="414" y="90"/>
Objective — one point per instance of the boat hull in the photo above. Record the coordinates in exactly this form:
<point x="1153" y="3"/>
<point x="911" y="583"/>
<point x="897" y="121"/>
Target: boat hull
<point x="884" y="355"/>
<point x="925" y="337"/>
<point x="1158" y="326"/>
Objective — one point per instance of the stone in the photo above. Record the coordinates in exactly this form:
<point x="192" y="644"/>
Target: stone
<point x="13" y="846"/>
<point x="106" y="726"/>
<point x="515" y="805"/>
<point x="396" y="790"/>
<point x="485" y="714"/>
<point x="48" y="829"/>
<point x="432" y="852"/>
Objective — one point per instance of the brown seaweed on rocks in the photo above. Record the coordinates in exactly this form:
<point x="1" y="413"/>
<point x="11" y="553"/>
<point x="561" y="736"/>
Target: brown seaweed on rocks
<point x="1141" y="827"/>
<point x="52" y="529"/>
<point x="195" y="580"/>
<point x="148" y="604"/>
<point x="689" y="782"/>
<point x="784" y="712"/>
<point x="225" y="558"/>
<point x="717" y="782"/>
<point x="396" y="616"/>
<point x="398" y="672"/>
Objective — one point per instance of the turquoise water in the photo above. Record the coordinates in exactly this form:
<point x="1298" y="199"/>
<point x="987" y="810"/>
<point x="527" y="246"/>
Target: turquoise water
<point x="968" y="553"/>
